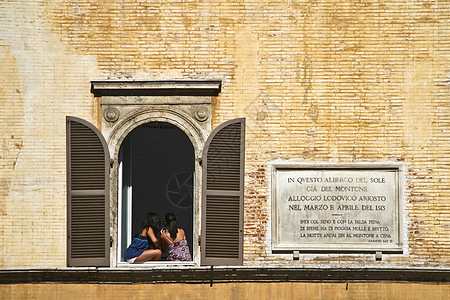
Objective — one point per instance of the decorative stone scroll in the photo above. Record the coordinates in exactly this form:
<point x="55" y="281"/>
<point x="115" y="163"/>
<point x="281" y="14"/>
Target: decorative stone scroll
<point x="336" y="208"/>
<point x="111" y="114"/>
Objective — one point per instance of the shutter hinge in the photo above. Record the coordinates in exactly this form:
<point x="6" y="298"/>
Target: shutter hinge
<point x="111" y="163"/>
<point x="200" y="161"/>
<point x="110" y="241"/>
<point x="199" y="240"/>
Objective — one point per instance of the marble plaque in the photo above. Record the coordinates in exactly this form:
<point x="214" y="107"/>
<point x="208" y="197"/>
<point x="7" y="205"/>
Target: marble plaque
<point x="336" y="209"/>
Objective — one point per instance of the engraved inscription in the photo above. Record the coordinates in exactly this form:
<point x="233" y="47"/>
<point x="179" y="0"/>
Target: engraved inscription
<point x="342" y="209"/>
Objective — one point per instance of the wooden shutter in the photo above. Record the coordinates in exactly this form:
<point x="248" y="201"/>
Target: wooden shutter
<point x="223" y="195"/>
<point x="87" y="195"/>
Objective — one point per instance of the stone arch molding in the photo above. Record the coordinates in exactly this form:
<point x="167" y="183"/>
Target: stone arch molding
<point x="174" y="116"/>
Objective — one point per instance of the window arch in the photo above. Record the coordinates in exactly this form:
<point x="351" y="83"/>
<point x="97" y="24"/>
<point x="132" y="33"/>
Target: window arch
<point x="127" y="124"/>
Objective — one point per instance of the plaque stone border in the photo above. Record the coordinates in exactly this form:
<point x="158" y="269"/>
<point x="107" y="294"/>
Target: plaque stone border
<point x="399" y="206"/>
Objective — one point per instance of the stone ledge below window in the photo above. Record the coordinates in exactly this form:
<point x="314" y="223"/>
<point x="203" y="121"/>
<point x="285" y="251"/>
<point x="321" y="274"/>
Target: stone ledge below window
<point x="210" y="275"/>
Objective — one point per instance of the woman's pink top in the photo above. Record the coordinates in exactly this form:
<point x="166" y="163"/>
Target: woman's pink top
<point x="179" y="250"/>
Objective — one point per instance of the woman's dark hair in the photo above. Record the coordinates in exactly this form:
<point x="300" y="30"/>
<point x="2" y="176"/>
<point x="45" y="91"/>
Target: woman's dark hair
<point x="152" y="220"/>
<point x="171" y="223"/>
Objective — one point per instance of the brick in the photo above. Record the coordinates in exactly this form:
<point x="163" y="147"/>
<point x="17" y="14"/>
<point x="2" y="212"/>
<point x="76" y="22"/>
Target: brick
<point x="376" y="72"/>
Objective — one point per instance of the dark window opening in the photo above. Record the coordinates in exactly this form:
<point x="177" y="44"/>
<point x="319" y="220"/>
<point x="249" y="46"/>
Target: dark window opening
<point x="156" y="173"/>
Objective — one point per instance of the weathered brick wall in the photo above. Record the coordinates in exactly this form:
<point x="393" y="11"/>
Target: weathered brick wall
<point x="339" y="81"/>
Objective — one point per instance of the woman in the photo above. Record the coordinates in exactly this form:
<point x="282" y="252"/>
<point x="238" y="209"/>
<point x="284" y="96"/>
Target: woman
<point x="175" y="239"/>
<point x="145" y="245"/>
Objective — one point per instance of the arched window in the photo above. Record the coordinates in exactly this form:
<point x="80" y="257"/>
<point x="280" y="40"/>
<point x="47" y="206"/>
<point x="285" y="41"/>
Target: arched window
<point x="165" y="157"/>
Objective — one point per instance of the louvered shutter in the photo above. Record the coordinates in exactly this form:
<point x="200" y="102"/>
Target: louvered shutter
<point x="223" y="195"/>
<point x="87" y="195"/>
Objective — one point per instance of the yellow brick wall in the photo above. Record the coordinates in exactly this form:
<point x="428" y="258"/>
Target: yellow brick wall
<point x="318" y="81"/>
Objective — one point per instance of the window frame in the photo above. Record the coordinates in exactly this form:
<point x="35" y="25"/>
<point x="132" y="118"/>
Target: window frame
<point x="128" y="104"/>
<point x="121" y="263"/>
<point x="199" y="214"/>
